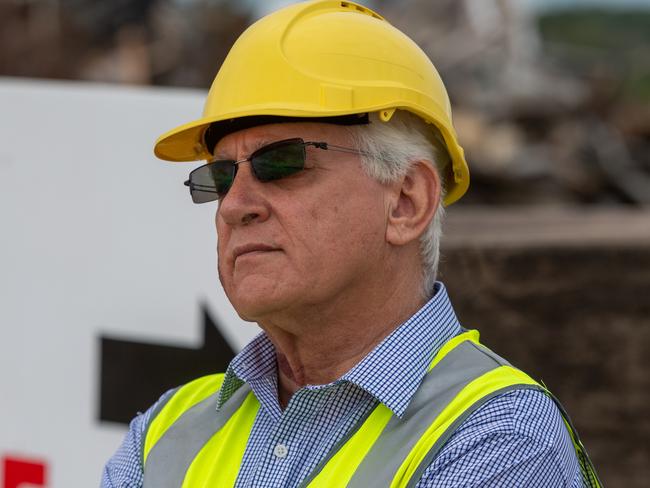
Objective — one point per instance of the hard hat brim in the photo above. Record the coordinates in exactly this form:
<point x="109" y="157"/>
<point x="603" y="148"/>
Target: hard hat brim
<point x="186" y="142"/>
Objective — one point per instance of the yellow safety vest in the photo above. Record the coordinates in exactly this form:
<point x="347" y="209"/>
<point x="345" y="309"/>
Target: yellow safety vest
<point x="189" y="444"/>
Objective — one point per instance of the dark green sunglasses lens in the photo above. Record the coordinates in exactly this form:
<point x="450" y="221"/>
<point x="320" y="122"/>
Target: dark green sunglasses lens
<point x="278" y="162"/>
<point x="211" y="181"/>
<point x="273" y="162"/>
<point x="223" y="175"/>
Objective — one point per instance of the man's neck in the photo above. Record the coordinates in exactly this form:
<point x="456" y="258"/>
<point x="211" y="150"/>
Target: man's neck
<point x="329" y="343"/>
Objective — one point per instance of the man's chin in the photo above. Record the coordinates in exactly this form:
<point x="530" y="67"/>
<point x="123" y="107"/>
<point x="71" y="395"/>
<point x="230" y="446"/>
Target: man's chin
<point x="253" y="313"/>
<point x="254" y="307"/>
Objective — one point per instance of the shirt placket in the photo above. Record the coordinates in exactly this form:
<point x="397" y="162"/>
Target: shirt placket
<point x="281" y="465"/>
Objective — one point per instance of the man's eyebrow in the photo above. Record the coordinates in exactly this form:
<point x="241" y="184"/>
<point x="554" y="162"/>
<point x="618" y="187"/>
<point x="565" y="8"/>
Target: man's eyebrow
<point x="256" y="146"/>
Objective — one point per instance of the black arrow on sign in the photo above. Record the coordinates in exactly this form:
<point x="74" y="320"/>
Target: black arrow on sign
<point x="133" y="375"/>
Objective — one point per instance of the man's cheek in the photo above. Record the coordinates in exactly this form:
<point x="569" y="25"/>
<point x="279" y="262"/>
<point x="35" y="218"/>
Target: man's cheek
<point x="224" y="276"/>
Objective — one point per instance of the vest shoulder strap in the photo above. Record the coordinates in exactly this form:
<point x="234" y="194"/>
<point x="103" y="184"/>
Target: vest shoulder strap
<point x="386" y="449"/>
<point x="463" y="376"/>
<point x="179" y="401"/>
<point x="187" y="423"/>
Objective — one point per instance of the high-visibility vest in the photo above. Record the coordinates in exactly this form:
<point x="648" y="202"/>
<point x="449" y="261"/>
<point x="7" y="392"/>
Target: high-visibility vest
<point x="188" y="443"/>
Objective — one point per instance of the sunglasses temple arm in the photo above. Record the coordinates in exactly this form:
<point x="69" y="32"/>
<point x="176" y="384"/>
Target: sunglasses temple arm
<point x="333" y="147"/>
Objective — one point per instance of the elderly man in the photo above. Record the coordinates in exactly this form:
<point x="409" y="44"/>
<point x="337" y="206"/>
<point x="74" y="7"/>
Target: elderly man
<point x="331" y="153"/>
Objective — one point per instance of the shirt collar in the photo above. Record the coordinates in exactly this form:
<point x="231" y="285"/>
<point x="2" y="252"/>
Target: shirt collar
<point x="255" y="362"/>
<point x="391" y="372"/>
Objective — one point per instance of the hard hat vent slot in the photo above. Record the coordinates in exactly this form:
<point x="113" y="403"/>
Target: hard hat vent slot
<point x="361" y="9"/>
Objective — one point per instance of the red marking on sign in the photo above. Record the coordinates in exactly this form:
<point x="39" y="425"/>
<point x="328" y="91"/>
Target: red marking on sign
<point x="18" y="471"/>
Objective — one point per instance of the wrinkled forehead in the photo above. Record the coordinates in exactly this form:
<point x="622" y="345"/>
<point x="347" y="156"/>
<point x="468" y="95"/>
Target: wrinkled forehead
<point x="246" y="141"/>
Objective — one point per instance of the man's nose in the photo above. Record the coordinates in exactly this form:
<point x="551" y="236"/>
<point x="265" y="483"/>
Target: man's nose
<point x="244" y="202"/>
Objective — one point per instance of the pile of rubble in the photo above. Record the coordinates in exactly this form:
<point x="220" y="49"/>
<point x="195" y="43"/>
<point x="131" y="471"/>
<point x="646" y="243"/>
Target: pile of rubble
<point x="534" y="131"/>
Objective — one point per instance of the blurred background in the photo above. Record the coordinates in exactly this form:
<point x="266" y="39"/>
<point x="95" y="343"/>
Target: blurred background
<point x="552" y="98"/>
<point x="549" y="252"/>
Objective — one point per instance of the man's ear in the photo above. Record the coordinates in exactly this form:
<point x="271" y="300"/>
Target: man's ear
<point x="414" y="201"/>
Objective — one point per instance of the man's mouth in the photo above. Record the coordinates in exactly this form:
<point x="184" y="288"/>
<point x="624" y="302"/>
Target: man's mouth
<point x="252" y="249"/>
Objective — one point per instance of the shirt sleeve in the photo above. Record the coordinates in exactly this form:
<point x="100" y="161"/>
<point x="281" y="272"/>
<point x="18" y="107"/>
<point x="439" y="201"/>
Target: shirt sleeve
<point x="515" y="439"/>
<point x="124" y="468"/>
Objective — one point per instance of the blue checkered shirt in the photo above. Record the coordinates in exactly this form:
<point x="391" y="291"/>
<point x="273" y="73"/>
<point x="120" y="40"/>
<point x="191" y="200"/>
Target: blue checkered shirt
<point x="515" y="439"/>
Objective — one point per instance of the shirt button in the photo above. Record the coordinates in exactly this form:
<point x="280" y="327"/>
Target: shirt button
<point x="280" y="451"/>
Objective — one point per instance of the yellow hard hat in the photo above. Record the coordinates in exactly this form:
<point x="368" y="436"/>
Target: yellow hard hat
<point x="317" y="59"/>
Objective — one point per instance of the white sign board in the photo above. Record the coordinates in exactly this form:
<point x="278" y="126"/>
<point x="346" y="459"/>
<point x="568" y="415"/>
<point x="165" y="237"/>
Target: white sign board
<point x="98" y="238"/>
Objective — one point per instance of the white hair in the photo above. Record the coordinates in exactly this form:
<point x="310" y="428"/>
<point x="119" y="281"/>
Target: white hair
<point x="389" y="150"/>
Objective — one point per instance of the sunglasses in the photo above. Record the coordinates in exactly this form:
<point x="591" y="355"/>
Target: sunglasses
<point x="269" y="163"/>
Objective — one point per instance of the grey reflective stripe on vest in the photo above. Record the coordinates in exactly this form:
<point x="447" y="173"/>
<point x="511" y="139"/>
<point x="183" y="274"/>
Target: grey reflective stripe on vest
<point x="459" y="367"/>
<point x="157" y="409"/>
<point x="442" y="440"/>
<point x="455" y="371"/>
<point x="171" y="457"/>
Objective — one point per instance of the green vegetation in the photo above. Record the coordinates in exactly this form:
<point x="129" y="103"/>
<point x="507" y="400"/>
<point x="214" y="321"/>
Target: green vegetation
<point x="610" y="43"/>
